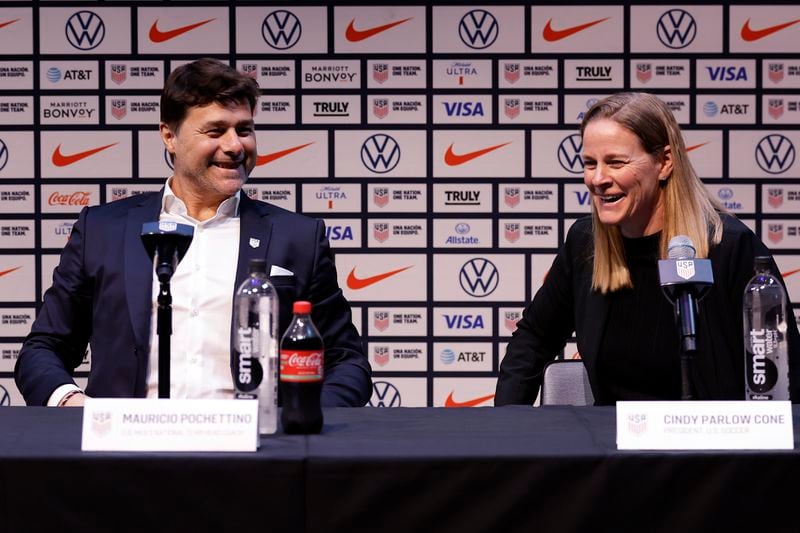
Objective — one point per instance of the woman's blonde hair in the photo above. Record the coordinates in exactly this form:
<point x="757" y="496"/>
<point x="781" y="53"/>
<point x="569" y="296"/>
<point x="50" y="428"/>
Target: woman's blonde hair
<point x="688" y="207"/>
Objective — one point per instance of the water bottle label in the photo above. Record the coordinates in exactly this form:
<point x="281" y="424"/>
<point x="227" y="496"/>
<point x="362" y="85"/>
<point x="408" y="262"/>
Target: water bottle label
<point x="247" y="372"/>
<point x="301" y="365"/>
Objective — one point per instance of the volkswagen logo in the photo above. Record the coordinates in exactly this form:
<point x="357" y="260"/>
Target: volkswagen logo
<point x="380" y="153"/>
<point x="569" y="154"/>
<point x="3" y="155"/>
<point x="676" y="29"/>
<point x="168" y="159"/>
<point x="384" y="394"/>
<point x="85" y="30"/>
<point x="775" y="154"/>
<point x="5" y="397"/>
<point x="478" y="29"/>
<point x="281" y="29"/>
<point x="479" y="277"/>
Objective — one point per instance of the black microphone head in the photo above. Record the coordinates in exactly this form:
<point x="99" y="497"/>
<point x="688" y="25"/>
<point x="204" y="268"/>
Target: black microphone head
<point x="167" y="243"/>
<point x="681" y="247"/>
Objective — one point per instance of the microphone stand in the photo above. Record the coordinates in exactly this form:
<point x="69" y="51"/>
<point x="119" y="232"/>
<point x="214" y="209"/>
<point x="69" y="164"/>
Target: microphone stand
<point x="164" y="331"/>
<point x="686" y="308"/>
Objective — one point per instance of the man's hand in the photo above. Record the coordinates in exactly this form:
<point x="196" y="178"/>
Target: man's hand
<point x="74" y="400"/>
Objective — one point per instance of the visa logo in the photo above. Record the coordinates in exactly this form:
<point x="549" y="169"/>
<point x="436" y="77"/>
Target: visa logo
<point x="463" y="109"/>
<point x="339" y="233"/>
<point x="464" y="321"/>
<point x="582" y="197"/>
<point x="727" y="73"/>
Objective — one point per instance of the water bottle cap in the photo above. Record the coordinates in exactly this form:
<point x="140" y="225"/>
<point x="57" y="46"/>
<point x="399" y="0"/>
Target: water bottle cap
<point x="301" y="308"/>
<point x="258" y="266"/>
<point x="762" y="262"/>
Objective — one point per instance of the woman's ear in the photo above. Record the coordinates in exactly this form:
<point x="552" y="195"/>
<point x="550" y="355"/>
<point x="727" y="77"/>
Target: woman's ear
<point x="666" y="164"/>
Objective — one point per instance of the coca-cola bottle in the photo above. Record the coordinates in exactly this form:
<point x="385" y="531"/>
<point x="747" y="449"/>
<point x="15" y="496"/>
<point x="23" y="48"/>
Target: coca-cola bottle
<point x="301" y="373"/>
<point x="255" y="353"/>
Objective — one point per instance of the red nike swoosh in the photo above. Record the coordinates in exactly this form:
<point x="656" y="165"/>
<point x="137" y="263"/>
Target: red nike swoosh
<point x="353" y="35"/>
<point x="158" y="36"/>
<point x="750" y="35"/>
<point x="552" y="35"/>
<point x="9" y="271"/>
<point x="450" y="402"/>
<point x="454" y="160"/>
<point x="4" y="24"/>
<point x="359" y="283"/>
<point x="790" y="272"/>
<point x="696" y="146"/>
<point x="61" y="160"/>
<point x="269" y="158"/>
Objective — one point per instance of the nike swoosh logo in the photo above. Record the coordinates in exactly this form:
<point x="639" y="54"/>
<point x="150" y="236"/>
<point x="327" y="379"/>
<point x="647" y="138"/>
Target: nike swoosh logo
<point x="4" y="24"/>
<point x="62" y="160"/>
<point x="750" y="35"/>
<point x="356" y="283"/>
<point x="789" y="273"/>
<point x="450" y="402"/>
<point x="158" y="36"/>
<point x="9" y="271"/>
<point x="696" y="146"/>
<point x="453" y="159"/>
<point x="269" y="158"/>
<point x="552" y="35"/>
<point x="353" y="35"/>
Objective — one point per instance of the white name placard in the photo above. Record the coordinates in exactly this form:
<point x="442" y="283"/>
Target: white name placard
<point x="742" y="425"/>
<point x="138" y="425"/>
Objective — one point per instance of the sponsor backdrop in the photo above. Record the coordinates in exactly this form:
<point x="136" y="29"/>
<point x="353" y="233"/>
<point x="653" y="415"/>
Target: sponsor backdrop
<point x="438" y="142"/>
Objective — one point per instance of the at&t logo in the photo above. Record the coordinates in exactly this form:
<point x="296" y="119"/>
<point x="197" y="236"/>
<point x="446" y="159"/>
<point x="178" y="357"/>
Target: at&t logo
<point x="478" y="29"/>
<point x="85" y="30"/>
<point x="775" y="154"/>
<point x="676" y="29"/>
<point x="380" y="153"/>
<point x="281" y="29"/>
<point x="3" y="155"/>
<point x="569" y="154"/>
<point x="479" y="277"/>
<point x="384" y="394"/>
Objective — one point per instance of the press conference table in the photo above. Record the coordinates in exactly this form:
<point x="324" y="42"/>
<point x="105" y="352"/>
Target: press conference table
<point x="432" y="469"/>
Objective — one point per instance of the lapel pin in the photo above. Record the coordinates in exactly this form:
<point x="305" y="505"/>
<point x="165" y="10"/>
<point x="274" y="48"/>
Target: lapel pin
<point x="254" y="243"/>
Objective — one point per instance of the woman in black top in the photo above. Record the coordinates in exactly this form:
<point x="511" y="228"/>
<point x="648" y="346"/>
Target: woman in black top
<point x="603" y="284"/>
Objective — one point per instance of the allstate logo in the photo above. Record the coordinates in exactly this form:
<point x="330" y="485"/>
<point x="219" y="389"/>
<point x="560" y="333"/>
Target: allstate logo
<point x="725" y="193"/>
<point x="53" y="75"/>
<point x="384" y="394"/>
<point x="281" y="29"/>
<point x="676" y="29"/>
<point x="447" y="356"/>
<point x="380" y="153"/>
<point x="5" y="397"/>
<point x="775" y="154"/>
<point x="479" y="277"/>
<point x="478" y="29"/>
<point x="710" y="108"/>
<point x="3" y="155"/>
<point x="569" y="154"/>
<point x="85" y="30"/>
<point x="462" y="228"/>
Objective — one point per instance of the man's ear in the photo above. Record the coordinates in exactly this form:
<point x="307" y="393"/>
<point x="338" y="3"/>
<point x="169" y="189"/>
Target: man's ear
<point x="666" y="164"/>
<point x="168" y="136"/>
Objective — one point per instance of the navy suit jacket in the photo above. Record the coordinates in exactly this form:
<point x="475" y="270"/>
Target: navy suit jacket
<point x="102" y="295"/>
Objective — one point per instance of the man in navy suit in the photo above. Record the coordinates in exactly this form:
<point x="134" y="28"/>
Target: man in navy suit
<point x="103" y="292"/>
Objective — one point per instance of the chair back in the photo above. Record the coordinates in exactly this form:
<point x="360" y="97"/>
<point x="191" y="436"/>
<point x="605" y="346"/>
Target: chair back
<point x="566" y="382"/>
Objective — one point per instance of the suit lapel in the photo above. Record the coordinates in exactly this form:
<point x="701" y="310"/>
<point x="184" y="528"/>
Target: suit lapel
<point x="138" y="268"/>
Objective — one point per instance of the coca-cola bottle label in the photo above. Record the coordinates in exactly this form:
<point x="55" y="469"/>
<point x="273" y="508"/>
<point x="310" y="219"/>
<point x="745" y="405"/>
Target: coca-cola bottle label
<point x="301" y="365"/>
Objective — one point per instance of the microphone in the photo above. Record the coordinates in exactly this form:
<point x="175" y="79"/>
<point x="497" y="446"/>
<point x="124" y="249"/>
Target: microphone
<point x="167" y="243"/>
<point x="684" y="280"/>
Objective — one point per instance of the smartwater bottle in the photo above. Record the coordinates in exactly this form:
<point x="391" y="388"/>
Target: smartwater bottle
<point x="255" y="365"/>
<point x="766" y="353"/>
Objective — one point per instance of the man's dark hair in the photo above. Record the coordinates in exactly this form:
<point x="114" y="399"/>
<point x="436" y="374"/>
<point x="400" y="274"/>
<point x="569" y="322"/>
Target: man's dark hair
<point x="201" y="83"/>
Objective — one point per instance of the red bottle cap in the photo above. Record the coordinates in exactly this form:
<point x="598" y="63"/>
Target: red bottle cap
<point x="302" y="308"/>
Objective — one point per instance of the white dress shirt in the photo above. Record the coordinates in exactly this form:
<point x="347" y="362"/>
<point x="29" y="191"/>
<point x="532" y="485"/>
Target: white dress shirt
<point x="202" y="304"/>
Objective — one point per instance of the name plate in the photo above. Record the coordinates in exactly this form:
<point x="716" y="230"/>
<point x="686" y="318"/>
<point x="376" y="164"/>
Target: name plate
<point x="742" y="425"/>
<point x="148" y="425"/>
